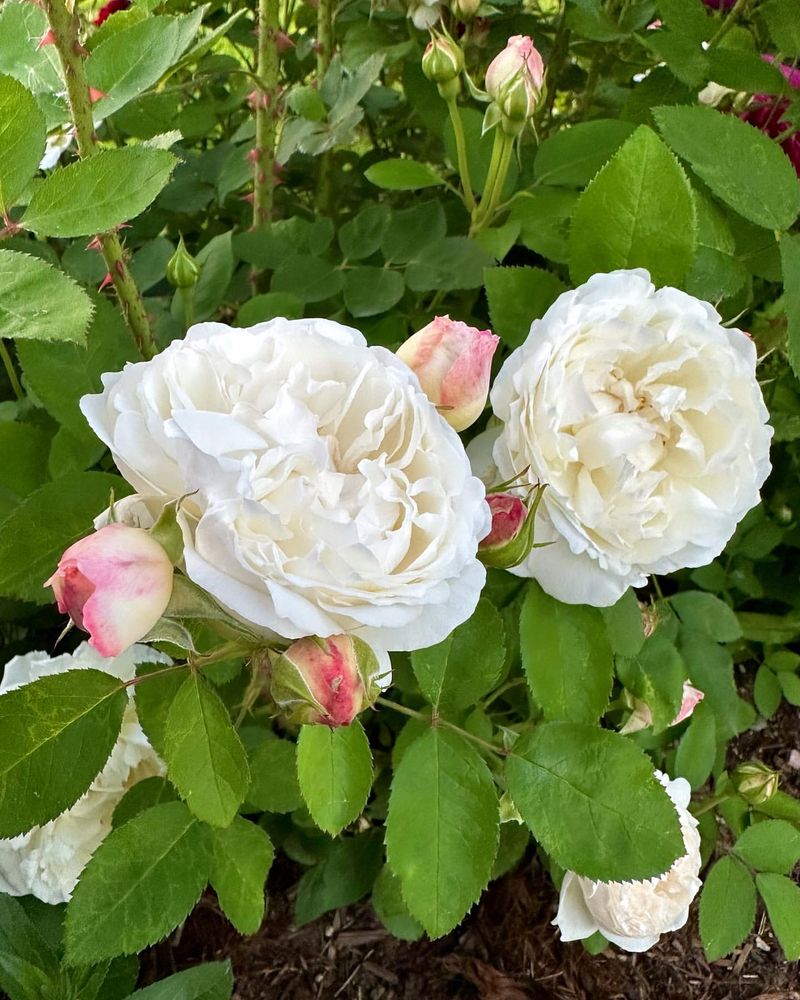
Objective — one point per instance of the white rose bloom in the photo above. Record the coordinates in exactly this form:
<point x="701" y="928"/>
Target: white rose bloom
<point x="48" y="860"/>
<point x="424" y="13"/>
<point x="633" y="915"/>
<point x="327" y="494"/>
<point x="643" y="416"/>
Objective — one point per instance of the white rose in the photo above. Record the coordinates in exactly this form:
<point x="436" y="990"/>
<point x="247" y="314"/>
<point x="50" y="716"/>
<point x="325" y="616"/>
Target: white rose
<point x="48" y="860"/>
<point x="644" y="417"/>
<point x="327" y="494"/>
<point x="633" y="915"/>
<point x="424" y="13"/>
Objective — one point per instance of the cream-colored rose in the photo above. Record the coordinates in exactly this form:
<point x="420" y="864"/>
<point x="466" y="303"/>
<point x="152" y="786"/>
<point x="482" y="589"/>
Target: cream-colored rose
<point x="324" y="493"/>
<point x="643" y="416"/>
<point x="633" y="915"/>
<point x="47" y="861"/>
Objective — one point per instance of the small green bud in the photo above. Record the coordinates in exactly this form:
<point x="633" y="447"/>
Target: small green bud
<point x="464" y="10"/>
<point x="443" y="60"/>
<point x="755" y="782"/>
<point x="183" y="270"/>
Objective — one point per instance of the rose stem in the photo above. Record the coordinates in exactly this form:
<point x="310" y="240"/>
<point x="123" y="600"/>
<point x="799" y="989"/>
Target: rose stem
<point x="414" y="714"/>
<point x="266" y="97"/>
<point x="8" y="364"/>
<point x="461" y="151"/>
<point x="64" y="25"/>
<point x="325" y="14"/>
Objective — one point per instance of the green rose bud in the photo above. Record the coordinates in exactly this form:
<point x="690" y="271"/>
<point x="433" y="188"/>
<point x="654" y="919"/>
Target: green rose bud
<point x="755" y="782"/>
<point x="183" y="270"/>
<point x="442" y="61"/>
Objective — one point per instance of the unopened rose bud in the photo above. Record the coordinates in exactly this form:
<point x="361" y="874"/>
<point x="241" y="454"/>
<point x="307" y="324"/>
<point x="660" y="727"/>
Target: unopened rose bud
<point x="514" y="80"/>
<point x="453" y="364"/>
<point x="325" y="681"/>
<point x="442" y="60"/>
<point x="464" y="10"/>
<point x="509" y="515"/>
<point x="689" y="702"/>
<point x="183" y="271"/>
<point x="115" y="585"/>
<point x="755" y="782"/>
<point x="641" y="717"/>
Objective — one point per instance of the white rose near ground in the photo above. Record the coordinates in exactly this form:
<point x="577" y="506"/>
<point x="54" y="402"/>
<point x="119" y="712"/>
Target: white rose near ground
<point x="643" y="416"/>
<point x="47" y="861"/>
<point x="327" y="493"/>
<point x="633" y="915"/>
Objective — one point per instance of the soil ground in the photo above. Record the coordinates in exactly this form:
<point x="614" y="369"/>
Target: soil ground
<point x="505" y="950"/>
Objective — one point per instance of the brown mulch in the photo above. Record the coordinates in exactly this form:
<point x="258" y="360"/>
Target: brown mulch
<point x="505" y="950"/>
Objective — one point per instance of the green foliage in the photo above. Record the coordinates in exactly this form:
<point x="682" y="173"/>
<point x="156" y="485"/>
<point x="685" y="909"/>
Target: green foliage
<point x="334" y="769"/>
<point x="344" y="875"/>
<point x="56" y="734"/>
<point x="567" y="657"/>
<point x="205" y="758"/>
<point x="727" y="907"/>
<point x="273" y="768"/>
<point x="22" y="136"/>
<point x="38" y="302"/>
<point x="242" y="856"/>
<point x="637" y="212"/>
<point x="442" y="827"/>
<point x="516" y="296"/>
<point x="140" y="884"/>
<point x="782" y="899"/>
<point x="402" y="175"/>
<point x="590" y="798"/>
<point x="213" y="981"/>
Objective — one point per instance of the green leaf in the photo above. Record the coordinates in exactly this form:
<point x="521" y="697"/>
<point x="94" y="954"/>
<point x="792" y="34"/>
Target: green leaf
<point x="28" y="964"/>
<point x="624" y="625"/>
<point x="656" y="675"/>
<point x="716" y="271"/>
<point x="60" y="373"/>
<point x="771" y="846"/>
<point x="544" y="215"/>
<point x="442" y="828"/>
<point x="590" y="798"/>
<point x="402" y="175"/>
<point x="345" y="875"/>
<point x="242" y="857"/>
<point x="273" y="767"/>
<point x="707" y="614"/>
<point x="711" y="668"/>
<point x="56" y="735"/>
<point x="411" y="229"/>
<point x="566" y="656"/>
<point x="790" y="685"/>
<point x="517" y="296"/>
<point x="455" y="673"/>
<point x="141" y="883"/>
<point x="216" y="270"/>
<point x="141" y="796"/>
<point x="637" y="212"/>
<point x="372" y="290"/>
<point x="205" y="758"/>
<point x="573" y="156"/>
<point x="781" y="18"/>
<point x="309" y="278"/>
<point x="387" y="901"/>
<point x="94" y="195"/>
<point x="211" y="981"/>
<point x="361" y="236"/>
<point x="334" y="768"/>
<point x="21" y="25"/>
<point x="39" y="302"/>
<point x="448" y="264"/>
<point x="263" y="307"/>
<point x="697" y="749"/>
<point x="727" y="908"/>
<point x="34" y="536"/>
<point x="782" y="898"/>
<point x="767" y="692"/>
<point x="153" y="699"/>
<point x="22" y="138"/>
<point x="23" y="462"/>
<point x="133" y="59"/>
<point x="790" y="264"/>
<point x="741" y="165"/>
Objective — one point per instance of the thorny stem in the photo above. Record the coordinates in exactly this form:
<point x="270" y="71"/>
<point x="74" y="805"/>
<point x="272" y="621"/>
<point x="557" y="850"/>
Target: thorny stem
<point x="64" y="25"/>
<point x="325" y="45"/>
<point x="461" y="150"/>
<point x="265" y="99"/>
<point x="437" y="721"/>
<point x="13" y="378"/>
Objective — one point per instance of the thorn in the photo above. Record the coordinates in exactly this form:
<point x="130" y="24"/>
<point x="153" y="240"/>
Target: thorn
<point x="108" y="280"/>
<point x="248" y="198"/>
<point x="48" y="38"/>
<point x="283" y="42"/>
<point x="119" y="267"/>
<point x="262" y="177"/>
<point x="254" y="155"/>
<point x="95" y="95"/>
<point x="79" y="50"/>
<point x="94" y="244"/>
<point x="258" y="99"/>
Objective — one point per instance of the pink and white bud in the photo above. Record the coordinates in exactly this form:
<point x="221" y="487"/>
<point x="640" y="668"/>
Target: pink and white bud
<point x="115" y="585"/>
<point x="691" y="699"/>
<point x="642" y="716"/>
<point x="515" y="79"/>
<point x="453" y="363"/>
<point x="325" y="681"/>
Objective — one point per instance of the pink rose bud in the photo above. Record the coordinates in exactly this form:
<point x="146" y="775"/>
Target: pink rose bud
<point x="325" y="681"/>
<point x="115" y="585"/>
<point x="691" y="699"/>
<point x="515" y="78"/>
<point x="453" y="363"/>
